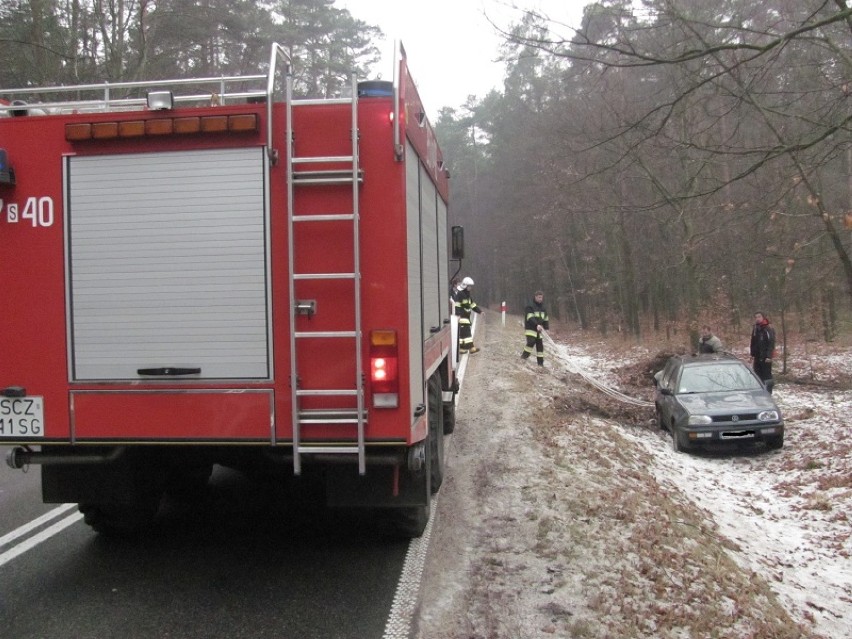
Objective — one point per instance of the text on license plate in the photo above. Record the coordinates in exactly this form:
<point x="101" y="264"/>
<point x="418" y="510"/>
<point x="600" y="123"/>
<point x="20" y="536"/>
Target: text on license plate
<point x="21" y="417"/>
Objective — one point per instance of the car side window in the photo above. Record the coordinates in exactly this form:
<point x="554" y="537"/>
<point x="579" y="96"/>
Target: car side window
<point x="675" y="380"/>
<point x="668" y="375"/>
<point x="685" y="384"/>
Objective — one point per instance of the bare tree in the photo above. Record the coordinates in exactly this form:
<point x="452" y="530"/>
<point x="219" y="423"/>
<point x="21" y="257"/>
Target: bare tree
<point x="775" y="73"/>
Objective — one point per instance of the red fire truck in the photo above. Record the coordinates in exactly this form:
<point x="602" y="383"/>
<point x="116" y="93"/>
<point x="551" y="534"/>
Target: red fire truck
<point x="211" y="271"/>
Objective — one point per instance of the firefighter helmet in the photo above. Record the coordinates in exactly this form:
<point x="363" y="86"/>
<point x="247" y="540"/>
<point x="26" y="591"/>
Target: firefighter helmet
<point x="467" y="282"/>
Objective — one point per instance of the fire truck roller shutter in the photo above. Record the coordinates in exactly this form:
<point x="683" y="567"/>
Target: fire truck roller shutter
<point x="432" y="301"/>
<point x="168" y="264"/>
<point x="443" y="263"/>
<point x="415" y="277"/>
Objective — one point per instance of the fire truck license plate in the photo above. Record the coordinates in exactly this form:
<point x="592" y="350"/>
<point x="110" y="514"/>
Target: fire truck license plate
<point x="21" y="417"/>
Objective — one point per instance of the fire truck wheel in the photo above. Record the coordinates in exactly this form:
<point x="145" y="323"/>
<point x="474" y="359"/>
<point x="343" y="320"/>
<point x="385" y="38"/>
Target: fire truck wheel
<point x="436" y="434"/>
<point x="410" y="522"/>
<point x="189" y="483"/>
<point x="449" y="417"/>
<point x="120" y="521"/>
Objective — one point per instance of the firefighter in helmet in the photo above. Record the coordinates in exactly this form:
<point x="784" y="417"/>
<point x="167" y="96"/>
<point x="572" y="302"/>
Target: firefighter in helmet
<point x="535" y="322"/>
<point x="464" y="306"/>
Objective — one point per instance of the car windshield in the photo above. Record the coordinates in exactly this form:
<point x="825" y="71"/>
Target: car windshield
<point x="710" y="378"/>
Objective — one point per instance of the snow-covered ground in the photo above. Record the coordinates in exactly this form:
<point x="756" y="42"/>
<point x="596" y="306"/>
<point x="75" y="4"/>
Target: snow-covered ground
<point x="789" y="512"/>
<point x="559" y="517"/>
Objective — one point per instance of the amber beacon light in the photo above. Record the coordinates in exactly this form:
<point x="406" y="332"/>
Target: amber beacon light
<point x="236" y="123"/>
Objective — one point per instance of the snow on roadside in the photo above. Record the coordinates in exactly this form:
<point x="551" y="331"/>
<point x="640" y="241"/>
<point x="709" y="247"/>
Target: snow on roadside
<point x="566" y="515"/>
<point x="789" y="512"/>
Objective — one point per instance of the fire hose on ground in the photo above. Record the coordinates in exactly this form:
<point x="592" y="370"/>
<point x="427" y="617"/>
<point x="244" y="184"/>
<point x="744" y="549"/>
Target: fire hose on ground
<point x="572" y="368"/>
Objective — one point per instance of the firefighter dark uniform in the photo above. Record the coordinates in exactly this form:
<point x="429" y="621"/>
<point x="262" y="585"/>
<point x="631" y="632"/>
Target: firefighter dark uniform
<point x="535" y="318"/>
<point x="464" y="307"/>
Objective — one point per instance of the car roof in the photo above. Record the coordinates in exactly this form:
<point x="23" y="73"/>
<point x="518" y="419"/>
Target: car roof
<point x="711" y="358"/>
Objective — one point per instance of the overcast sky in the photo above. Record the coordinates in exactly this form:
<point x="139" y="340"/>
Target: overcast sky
<point x="451" y="45"/>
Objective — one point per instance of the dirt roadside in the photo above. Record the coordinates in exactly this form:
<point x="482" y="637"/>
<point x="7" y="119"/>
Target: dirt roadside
<point x="550" y="525"/>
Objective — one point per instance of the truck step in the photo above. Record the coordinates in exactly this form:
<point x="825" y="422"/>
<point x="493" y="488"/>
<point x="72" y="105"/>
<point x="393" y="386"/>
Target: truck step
<point x="336" y="450"/>
<point x="329" y="217"/>
<point x="323" y="276"/>
<point x="325" y="159"/>
<point x="330" y="416"/>
<point x="342" y="176"/>
<point x="317" y="392"/>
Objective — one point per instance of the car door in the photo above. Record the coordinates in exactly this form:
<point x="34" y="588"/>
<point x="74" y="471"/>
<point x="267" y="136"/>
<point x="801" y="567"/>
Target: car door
<point x="665" y="401"/>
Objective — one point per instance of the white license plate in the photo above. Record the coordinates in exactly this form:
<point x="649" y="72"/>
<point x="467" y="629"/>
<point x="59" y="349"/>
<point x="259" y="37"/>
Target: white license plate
<point x="21" y="417"/>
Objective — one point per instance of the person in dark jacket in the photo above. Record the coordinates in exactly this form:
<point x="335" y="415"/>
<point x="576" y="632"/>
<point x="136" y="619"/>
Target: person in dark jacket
<point x="535" y="321"/>
<point x="762" y="349"/>
<point x="708" y="343"/>
<point x="464" y="306"/>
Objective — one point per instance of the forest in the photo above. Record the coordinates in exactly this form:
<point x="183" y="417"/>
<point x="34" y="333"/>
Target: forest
<point x="58" y="42"/>
<point x="663" y="164"/>
<point x="666" y="165"/>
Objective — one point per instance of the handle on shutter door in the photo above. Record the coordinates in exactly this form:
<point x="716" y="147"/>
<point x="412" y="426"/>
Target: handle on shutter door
<point x="169" y="371"/>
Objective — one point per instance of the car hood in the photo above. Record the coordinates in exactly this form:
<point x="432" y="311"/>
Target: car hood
<point x="726" y="402"/>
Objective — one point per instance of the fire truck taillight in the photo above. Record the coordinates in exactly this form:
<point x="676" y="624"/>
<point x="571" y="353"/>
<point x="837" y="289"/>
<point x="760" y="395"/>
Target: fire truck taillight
<point x="384" y="369"/>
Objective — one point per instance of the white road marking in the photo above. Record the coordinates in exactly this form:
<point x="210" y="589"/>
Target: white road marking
<point x="405" y="598"/>
<point x="408" y="588"/>
<point x="36" y="539"/>
<point x="35" y="523"/>
<point x="407" y="592"/>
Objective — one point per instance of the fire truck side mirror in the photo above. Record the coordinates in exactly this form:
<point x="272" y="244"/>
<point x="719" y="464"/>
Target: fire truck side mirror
<point x="458" y="242"/>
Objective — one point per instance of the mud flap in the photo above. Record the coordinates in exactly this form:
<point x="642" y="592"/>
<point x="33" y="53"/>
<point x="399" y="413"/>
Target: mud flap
<point x="380" y="487"/>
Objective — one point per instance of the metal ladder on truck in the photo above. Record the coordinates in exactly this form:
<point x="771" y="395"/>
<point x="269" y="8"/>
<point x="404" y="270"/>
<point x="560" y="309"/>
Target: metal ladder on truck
<point x="346" y="172"/>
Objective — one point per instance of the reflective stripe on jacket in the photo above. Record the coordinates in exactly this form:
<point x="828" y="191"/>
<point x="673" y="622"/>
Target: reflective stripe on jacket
<point x="535" y="315"/>
<point x="464" y="306"/>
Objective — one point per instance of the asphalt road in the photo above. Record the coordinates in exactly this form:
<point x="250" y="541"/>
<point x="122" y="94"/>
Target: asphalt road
<point x="243" y="561"/>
